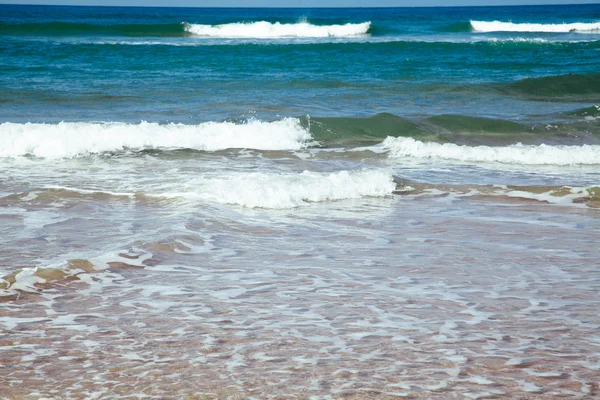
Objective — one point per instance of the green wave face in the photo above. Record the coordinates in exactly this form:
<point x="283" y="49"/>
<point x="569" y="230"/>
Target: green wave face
<point x="466" y="129"/>
<point x="570" y="87"/>
<point x="461" y="123"/>
<point x="82" y="29"/>
<point x="458" y="129"/>
<point x="588" y="112"/>
<point x="369" y="130"/>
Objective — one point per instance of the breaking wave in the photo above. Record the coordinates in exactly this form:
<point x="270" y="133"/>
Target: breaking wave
<point x="257" y="29"/>
<point x="266" y="30"/>
<point x="498" y="26"/>
<point x="70" y="139"/>
<point x="513" y="154"/>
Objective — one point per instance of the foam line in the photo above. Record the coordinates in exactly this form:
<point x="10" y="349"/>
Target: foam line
<point x="287" y="190"/>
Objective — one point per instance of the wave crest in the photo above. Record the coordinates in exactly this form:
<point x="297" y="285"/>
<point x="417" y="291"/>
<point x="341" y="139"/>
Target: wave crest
<point x="514" y="154"/>
<point x="266" y="30"/>
<point x="498" y="26"/>
<point x="70" y="139"/>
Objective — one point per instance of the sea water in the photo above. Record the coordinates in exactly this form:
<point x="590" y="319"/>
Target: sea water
<point x="299" y="203"/>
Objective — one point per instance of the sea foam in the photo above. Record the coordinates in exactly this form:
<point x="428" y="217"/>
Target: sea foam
<point x="498" y="26"/>
<point x="513" y="154"/>
<point x="70" y="139"/>
<point x="266" y="30"/>
<point x="288" y="190"/>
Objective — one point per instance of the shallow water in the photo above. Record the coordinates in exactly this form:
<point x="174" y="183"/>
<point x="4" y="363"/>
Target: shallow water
<point x="416" y="297"/>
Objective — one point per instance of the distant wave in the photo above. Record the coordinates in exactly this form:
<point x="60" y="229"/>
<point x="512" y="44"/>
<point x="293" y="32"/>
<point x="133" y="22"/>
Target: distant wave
<point x="287" y="190"/>
<point x="513" y="154"/>
<point x="86" y="29"/>
<point x="265" y="30"/>
<point x="498" y="26"/>
<point x="71" y="139"/>
<point x="249" y="30"/>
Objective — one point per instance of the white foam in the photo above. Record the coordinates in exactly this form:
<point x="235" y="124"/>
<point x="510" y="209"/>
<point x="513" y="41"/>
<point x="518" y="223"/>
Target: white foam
<point x="265" y="30"/>
<point x="560" y="196"/>
<point x="523" y="40"/>
<point x="530" y="387"/>
<point x="513" y="154"/>
<point x="481" y="380"/>
<point x="26" y="280"/>
<point x="498" y="26"/>
<point x="272" y="190"/>
<point x="80" y="191"/>
<point x="70" y="139"/>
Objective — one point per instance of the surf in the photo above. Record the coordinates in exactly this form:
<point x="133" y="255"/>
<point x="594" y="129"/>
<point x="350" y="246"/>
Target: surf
<point x="514" y="154"/>
<point x="288" y="190"/>
<point x="499" y="26"/>
<point x="72" y="139"/>
<point x="269" y="30"/>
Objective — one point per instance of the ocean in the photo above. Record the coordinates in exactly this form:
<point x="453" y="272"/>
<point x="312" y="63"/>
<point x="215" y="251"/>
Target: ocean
<point x="368" y="203"/>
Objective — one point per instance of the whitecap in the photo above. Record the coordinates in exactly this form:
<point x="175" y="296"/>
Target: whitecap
<point x="499" y="26"/>
<point x="265" y="30"/>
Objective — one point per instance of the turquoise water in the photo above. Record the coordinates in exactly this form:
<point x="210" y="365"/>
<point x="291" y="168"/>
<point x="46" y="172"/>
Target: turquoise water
<point x="132" y="64"/>
<point x="299" y="203"/>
